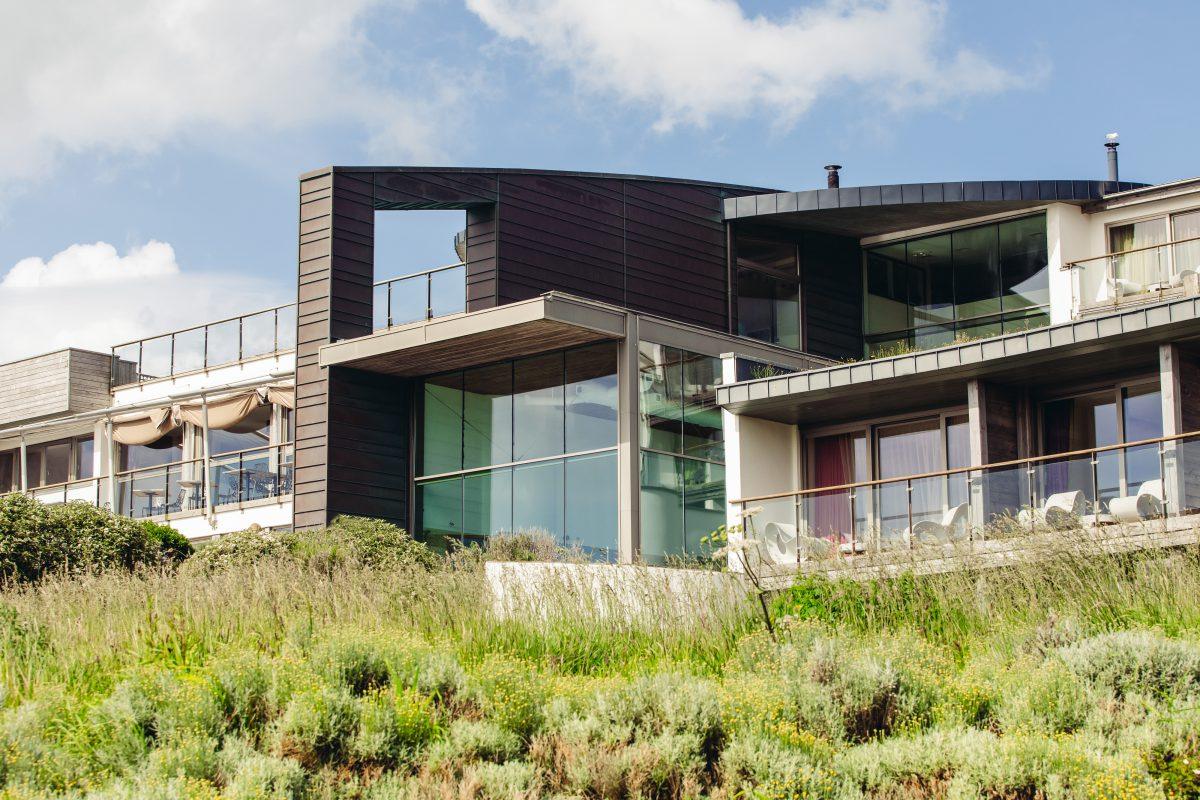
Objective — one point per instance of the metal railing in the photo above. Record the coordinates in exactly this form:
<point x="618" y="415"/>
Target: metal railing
<point x="1137" y="273"/>
<point x="419" y="296"/>
<point x="242" y="476"/>
<point x="91" y="490"/>
<point x="201" y="347"/>
<point x="1125" y="483"/>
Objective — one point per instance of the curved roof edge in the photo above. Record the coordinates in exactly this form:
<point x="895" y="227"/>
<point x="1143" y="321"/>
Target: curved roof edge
<point x="1030" y="192"/>
<point x="547" y="172"/>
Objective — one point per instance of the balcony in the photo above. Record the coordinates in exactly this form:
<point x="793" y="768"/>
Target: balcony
<point x="202" y="347"/>
<point x="420" y="296"/>
<point x="1144" y="486"/>
<point x="175" y="489"/>
<point x="1142" y="274"/>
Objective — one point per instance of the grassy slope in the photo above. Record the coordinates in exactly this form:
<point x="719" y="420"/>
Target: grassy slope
<point x="1075" y="678"/>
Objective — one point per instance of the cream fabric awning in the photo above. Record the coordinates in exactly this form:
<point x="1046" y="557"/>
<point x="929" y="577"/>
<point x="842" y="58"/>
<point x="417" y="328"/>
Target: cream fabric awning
<point x="144" y="428"/>
<point x="229" y="413"/>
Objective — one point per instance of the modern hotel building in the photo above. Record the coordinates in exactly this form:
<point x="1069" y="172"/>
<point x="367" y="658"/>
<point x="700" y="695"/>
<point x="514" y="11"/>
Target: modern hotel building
<point x="629" y="362"/>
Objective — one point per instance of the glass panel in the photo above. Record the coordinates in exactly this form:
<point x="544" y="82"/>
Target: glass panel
<point x="189" y="350"/>
<point x="1142" y="407"/>
<point x="1005" y="492"/>
<point x="220" y="442"/>
<point x="978" y="329"/>
<point x="487" y="503"/>
<point x="768" y="308"/>
<point x="156" y="357"/>
<point x="931" y="280"/>
<point x="662" y="507"/>
<point x="660" y="376"/>
<point x="591" y="397"/>
<point x="410" y="298"/>
<point x="285" y="323"/>
<point x="85" y="449"/>
<point x="487" y="415"/>
<point x="1138" y="271"/>
<point x="379" y="307"/>
<point x="704" y="503"/>
<point x="57" y="462"/>
<point x="448" y="291"/>
<point x="150" y="489"/>
<point x="441" y="424"/>
<point x="439" y="505"/>
<point x="910" y="448"/>
<point x="167" y="449"/>
<point x="976" y="272"/>
<point x="1081" y="423"/>
<point x="1023" y="262"/>
<point x="763" y="254"/>
<point x="223" y="343"/>
<point x="35" y="461"/>
<point x="258" y="334"/>
<point x="592" y="505"/>
<point x="538" y="407"/>
<point x="887" y="290"/>
<point x="538" y="498"/>
<point x="958" y="454"/>
<point x="889" y="346"/>
<point x="1026" y="321"/>
<point x="702" y="434"/>
<point x="127" y="358"/>
<point x="1186" y="255"/>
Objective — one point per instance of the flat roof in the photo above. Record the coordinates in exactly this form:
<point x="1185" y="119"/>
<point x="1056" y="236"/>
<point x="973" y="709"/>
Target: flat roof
<point x="868" y="210"/>
<point x="1091" y="347"/>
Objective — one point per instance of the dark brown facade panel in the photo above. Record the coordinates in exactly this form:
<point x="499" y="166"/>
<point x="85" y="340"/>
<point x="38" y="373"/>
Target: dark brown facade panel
<point x="431" y="189"/>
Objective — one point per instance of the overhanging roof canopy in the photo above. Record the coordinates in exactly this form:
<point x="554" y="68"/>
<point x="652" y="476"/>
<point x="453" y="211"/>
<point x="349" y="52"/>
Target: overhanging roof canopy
<point x="545" y="323"/>
<point x="871" y="210"/>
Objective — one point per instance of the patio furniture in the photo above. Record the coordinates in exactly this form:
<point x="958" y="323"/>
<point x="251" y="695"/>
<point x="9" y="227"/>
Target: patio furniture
<point x="951" y="528"/>
<point x="1145" y="504"/>
<point x="1060" y="510"/>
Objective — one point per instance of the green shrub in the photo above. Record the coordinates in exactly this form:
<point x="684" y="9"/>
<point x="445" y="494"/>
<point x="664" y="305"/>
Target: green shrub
<point x="250" y="775"/>
<point x="468" y="741"/>
<point x="317" y="725"/>
<point x="392" y="727"/>
<point x="187" y="756"/>
<point x="1136" y="661"/>
<point x="242" y="685"/>
<point x="37" y="540"/>
<point x="530" y="545"/>
<point x="379" y="544"/>
<point x="512" y="694"/>
<point x="1045" y="697"/>
<point x="238" y="549"/>
<point x="173" y="546"/>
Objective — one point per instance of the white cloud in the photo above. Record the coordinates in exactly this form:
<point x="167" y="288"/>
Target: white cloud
<point x="90" y="296"/>
<point x="131" y="75"/>
<point x="698" y="60"/>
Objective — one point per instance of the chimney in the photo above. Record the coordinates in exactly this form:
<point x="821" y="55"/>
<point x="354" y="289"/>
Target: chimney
<point x="832" y="179"/>
<point x="1111" y="145"/>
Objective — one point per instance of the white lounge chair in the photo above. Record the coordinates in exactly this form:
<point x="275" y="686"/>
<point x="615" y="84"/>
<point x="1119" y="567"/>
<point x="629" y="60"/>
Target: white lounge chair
<point x="1145" y="504"/>
<point x="953" y="527"/>
<point x="783" y="547"/>
<point x="1058" y="511"/>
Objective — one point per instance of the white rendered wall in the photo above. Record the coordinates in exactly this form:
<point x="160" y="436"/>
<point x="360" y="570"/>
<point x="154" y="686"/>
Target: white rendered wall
<point x="281" y="366"/>
<point x="1068" y="238"/>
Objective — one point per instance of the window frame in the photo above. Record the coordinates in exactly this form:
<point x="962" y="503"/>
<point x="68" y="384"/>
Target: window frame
<point x="1167" y="216"/>
<point x="38" y="482"/>
<point x="795" y="280"/>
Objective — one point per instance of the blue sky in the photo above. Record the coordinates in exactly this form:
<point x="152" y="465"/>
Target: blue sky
<point x="187" y="122"/>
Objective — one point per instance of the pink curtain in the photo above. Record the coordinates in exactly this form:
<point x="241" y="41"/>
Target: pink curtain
<point x="833" y="465"/>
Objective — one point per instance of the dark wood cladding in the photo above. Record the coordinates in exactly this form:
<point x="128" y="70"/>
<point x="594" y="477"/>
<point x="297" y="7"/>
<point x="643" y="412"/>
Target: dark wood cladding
<point x="832" y="291"/>
<point x="368" y="445"/>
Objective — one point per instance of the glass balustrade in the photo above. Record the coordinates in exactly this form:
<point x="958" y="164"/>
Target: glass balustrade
<point x="215" y="344"/>
<point x="420" y="296"/>
<point x="1146" y="482"/>
<point x="1138" y="274"/>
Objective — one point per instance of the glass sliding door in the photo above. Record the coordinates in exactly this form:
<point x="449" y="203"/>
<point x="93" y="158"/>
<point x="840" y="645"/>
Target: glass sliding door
<point x="905" y="449"/>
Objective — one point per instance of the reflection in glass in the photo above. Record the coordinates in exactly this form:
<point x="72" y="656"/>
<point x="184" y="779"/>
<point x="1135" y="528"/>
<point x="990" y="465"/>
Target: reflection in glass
<point x="976" y="272"/>
<point x="1023" y="263"/>
<point x="591" y="397"/>
<point x="661" y="507"/>
<point x="702" y="432"/>
<point x="1142" y="407"/>
<point x="768" y="308"/>
<point x="189" y="350"/>
<point x="704" y="502"/>
<point x="660" y="379"/>
<point x="591" y="505"/>
<point x="441" y="510"/>
<point x="409" y="300"/>
<point x="888" y="308"/>
<point x="441" y="420"/>
<point x="931" y="281"/>
<point x="487" y="502"/>
<point x="958" y="454"/>
<point x="487" y="415"/>
<point x="538" y="407"/>
<point x="538" y="498"/>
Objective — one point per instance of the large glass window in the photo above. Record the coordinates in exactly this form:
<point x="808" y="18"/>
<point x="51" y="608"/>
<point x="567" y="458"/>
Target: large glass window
<point x="166" y="450"/>
<point x="54" y="462"/>
<point x="683" y="477"/>
<point x="768" y="290"/>
<point x="529" y="414"/>
<point x="966" y="284"/>
<point x="9" y="479"/>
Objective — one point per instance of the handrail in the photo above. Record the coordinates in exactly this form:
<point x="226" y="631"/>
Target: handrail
<point x="419" y="273"/>
<point x="958" y="470"/>
<point x="1071" y="264"/>
<point x="181" y="462"/>
<point x="203" y="325"/>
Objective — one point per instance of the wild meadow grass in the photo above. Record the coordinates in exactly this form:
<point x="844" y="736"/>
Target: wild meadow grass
<point x="1077" y="676"/>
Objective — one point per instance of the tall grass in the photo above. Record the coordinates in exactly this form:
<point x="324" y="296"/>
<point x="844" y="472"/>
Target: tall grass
<point x="1075" y="675"/>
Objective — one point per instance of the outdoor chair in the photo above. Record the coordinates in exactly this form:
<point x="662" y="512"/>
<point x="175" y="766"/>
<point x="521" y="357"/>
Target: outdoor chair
<point x="951" y="528"/>
<point x="1059" y="510"/>
<point x="1145" y="504"/>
